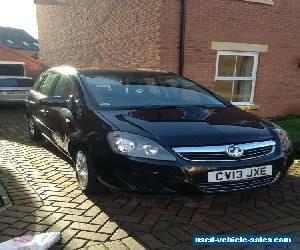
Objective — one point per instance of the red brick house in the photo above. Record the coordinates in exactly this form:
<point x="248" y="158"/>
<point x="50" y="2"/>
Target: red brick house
<point x="20" y="41"/>
<point x="31" y="65"/>
<point x="246" y="50"/>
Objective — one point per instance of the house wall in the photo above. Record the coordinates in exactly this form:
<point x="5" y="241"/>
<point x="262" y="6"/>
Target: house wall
<point x="26" y="52"/>
<point x="277" y="90"/>
<point x="100" y="33"/>
<point x="145" y="34"/>
<point x="32" y="66"/>
<point x="170" y="35"/>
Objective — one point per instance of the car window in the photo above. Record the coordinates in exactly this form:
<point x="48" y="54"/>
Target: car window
<point x="47" y="85"/>
<point x="66" y="88"/>
<point x="135" y="90"/>
<point x="12" y="69"/>
<point x="38" y="82"/>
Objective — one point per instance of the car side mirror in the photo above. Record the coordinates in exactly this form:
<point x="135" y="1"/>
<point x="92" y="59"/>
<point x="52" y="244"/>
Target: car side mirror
<point x="53" y="101"/>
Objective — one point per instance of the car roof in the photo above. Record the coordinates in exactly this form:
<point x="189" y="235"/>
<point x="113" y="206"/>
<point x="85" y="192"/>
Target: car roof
<point x="99" y="71"/>
<point x="120" y="71"/>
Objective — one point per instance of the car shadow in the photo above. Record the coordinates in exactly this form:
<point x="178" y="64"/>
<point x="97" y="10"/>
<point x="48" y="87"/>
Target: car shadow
<point x="21" y="200"/>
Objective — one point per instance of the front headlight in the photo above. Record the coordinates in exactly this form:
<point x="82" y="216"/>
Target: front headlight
<point x="138" y="146"/>
<point x="285" y="142"/>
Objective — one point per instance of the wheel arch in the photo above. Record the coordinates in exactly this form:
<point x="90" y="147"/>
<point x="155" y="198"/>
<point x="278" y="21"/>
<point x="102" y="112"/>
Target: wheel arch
<point x="75" y="144"/>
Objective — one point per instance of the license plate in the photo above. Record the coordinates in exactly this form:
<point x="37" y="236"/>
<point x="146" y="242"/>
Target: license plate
<point x="240" y="174"/>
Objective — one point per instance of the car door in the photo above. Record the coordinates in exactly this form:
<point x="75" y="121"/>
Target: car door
<point x="64" y="120"/>
<point x="40" y="113"/>
<point x="31" y="104"/>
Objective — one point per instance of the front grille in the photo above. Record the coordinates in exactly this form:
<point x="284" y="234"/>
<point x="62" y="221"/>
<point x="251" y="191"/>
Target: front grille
<point x="218" y="153"/>
<point x="257" y="152"/>
<point x="238" y="185"/>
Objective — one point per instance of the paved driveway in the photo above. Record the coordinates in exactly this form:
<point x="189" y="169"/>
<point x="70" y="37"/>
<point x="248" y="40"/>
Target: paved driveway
<point x="45" y="198"/>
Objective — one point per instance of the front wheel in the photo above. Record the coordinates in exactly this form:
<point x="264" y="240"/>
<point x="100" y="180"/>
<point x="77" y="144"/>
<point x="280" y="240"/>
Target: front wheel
<point x="34" y="132"/>
<point x="86" y="173"/>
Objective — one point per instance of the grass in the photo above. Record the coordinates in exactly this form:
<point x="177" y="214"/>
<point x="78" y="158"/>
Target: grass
<point x="291" y="124"/>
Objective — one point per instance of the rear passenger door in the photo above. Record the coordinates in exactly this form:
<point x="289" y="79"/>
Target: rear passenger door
<point x="31" y="104"/>
<point x="40" y="113"/>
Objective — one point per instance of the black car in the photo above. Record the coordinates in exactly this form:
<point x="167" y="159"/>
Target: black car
<point x="154" y="131"/>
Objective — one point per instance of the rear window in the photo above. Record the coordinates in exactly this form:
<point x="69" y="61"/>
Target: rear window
<point x="16" y="83"/>
<point x="12" y="70"/>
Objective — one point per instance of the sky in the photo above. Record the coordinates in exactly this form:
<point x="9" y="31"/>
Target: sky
<point x="19" y="14"/>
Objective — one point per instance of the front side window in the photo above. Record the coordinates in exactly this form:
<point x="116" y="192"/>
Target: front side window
<point x="39" y="82"/>
<point x="136" y="91"/>
<point x="66" y="88"/>
<point x="48" y="84"/>
<point x="236" y="75"/>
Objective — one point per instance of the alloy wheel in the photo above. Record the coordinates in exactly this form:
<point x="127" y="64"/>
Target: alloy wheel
<point x="31" y="127"/>
<point x="81" y="170"/>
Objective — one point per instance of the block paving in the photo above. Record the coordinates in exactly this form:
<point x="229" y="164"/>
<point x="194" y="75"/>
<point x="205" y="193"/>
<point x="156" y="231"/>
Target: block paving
<point x="45" y="198"/>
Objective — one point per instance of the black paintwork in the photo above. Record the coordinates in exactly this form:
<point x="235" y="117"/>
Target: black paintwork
<point x="193" y="126"/>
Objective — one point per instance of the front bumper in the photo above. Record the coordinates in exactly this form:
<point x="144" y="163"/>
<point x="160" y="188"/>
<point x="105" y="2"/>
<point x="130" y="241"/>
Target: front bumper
<point x="186" y="176"/>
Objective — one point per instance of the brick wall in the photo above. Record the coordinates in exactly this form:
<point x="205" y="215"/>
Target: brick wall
<point x="145" y="33"/>
<point x="32" y="66"/>
<point x="170" y="35"/>
<point x="277" y="89"/>
<point x="100" y="33"/>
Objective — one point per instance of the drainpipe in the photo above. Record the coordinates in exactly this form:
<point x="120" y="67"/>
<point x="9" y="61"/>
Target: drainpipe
<point x="182" y="37"/>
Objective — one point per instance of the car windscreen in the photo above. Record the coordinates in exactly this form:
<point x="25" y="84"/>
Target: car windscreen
<point x="137" y="91"/>
<point x="15" y="82"/>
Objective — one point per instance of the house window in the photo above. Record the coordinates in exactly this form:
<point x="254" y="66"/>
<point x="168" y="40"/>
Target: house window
<point x="236" y="75"/>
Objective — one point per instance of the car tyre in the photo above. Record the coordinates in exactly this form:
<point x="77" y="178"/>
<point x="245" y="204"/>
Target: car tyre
<point x="34" y="132"/>
<point x="86" y="173"/>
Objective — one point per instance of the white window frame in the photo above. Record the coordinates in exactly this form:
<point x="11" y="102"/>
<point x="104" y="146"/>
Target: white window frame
<point x="255" y="55"/>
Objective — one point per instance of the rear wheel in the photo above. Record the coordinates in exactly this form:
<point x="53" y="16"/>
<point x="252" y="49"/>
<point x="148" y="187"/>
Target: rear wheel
<point x="34" y="132"/>
<point x="86" y="173"/>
